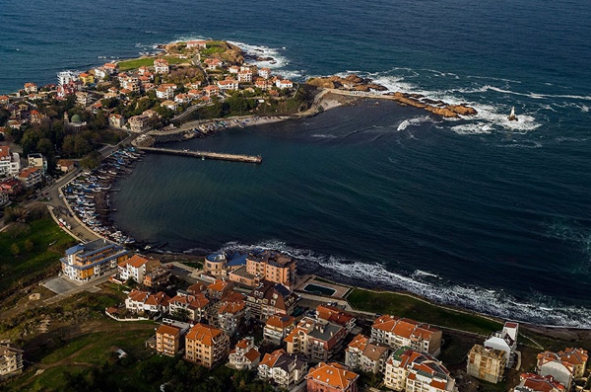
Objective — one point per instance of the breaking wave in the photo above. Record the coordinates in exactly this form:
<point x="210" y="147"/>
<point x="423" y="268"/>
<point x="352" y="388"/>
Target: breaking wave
<point x="541" y="310"/>
<point x="413" y="122"/>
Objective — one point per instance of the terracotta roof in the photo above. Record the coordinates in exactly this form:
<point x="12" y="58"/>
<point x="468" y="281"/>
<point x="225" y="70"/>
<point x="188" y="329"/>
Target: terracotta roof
<point x="137" y="295"/>
<point x="404" y="327"/>
<point x="231" y="307"/>
<point x="218" y="285"/>
<point x="137" y="261"/>
<point x="280" y="321"/>
<point x="205" y="334"/>
<point x="243" y="344"/>
<point x="333" y="374"/>
<point x="541" y="383"/>
<point x="28" y="172"/>
<point x="333" y="314"/>
<point x="168" y="330"/>
<point x="252" y="355"/>
<point x="4" y="151"/>
<point x="199" y="302"/>
<point x="159" y="298"/>
<point x="196" y="288"/>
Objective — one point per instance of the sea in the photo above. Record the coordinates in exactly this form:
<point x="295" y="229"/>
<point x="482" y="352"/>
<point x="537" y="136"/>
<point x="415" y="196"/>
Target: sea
<point x="480" y="213"/>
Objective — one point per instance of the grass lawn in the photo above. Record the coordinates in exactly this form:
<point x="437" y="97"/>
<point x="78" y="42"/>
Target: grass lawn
<point x="407" y="306"/>
<point x="126" y="65"/>
<point x="28" y="265"/>
<point x="83" y="353"/>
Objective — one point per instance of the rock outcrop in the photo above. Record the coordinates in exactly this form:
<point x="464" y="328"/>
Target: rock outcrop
<point x="350" y="82"/>
<point x="356" y="83"/>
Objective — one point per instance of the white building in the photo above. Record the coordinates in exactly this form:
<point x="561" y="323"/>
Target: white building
<point x="65" y="77"/>
<point x="133" y="268"/>
<point x="245" y="355"/>
<point x="10" y="162"/>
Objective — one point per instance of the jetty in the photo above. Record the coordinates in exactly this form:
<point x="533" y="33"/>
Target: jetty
<point x="205" y="154"/>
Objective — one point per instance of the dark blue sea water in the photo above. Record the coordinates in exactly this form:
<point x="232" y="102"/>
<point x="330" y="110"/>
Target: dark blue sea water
<point x="481" y="213"/>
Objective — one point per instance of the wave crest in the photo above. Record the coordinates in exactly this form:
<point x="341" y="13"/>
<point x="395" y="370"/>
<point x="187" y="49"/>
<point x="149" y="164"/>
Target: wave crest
<point x="541" y="310"/>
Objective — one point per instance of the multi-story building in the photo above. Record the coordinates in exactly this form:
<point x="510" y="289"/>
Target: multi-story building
<point x="138" y="301"/>
<point x="168" y="340"/>
<point x="331" y="377"/>
<point x="413" y="371"/>
<point x="363" y="355"/>
<point x="272" y="266"/>
<point x="269" y="299"/>
<point x="86" y="78"/>
<point x="228" y="84"/>
<point x="244" y="356"/>
<point x="65" y="77"/>
<point x="37" y="160"/>
<point x="318" y="341"/>
<point x="277" y="328"/>
<point x="116" y="120"/>
<point x="111" y="68"/>
<point x="30" y="176"/>
<point x="206" y="345"/>
<point x="245" y="76"/>
<point x="219" y="288"/>
<point x="10" y="162"/>
<point x="264" y="73"/>
<point x="11" y="359"/>
<point x="84" y="262"/>
<point x="131" y="83"/>
<point x="161" y="66"/>
<point x="211" y="90"/>
<point x="133" y="268"/>
<point x="487" y="364"/>
<point x="138" y="123"/>
<point x="397" y="332"/>
<point x="157" y="276"/>
<point x="531" y="382"/>
<point x="283" y="369"/>
<point x="196" y="305"/>
<point x="30" y="88"/>
<point x="230" y="316"/>
<point x="505" y="340"/>
<point x="564" y="366"/>
<point x="336" y="316"/>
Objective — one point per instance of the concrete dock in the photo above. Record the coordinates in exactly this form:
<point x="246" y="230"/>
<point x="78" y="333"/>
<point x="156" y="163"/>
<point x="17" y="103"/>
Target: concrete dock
<point x="205" y="155"/>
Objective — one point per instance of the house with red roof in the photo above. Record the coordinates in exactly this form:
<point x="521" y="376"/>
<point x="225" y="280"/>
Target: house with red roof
<point x="228" y="84"/>
<point x="30" y="88"/>
<point x="366" y="356"/>
<point x="318" y="341"/>
<point x="230" y="316"/>
<point x="168" y="340"/>
<point x="197" y="305"/>
<point x="133" y="268"/>
<point x="198" y="44"/>
<point x="161" y="66"/>
<point x="278" y="327"/>
<point x="414" y="371"/>
<point x="30" y="176"/>
<point x="398" y="332"/>
<point x="331" y="377"/>
<point x="282" y="368"/>
<point x="245" y="355"/>
<point x="211" y="90"/>
<point x="531" y="382"/>
<point x="206" y="345"/>
<point x="4" y="100"/>
<point x="565" y="366"/>
<point x="335" y="315"/>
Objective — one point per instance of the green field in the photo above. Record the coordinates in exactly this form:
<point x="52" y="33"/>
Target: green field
<point x="408" y="306"/>
<point x="31" y="262"/>
<point x="127" y="65"/>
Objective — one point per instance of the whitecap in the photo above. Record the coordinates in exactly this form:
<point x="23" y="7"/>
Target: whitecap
<point x="479" y="299"/>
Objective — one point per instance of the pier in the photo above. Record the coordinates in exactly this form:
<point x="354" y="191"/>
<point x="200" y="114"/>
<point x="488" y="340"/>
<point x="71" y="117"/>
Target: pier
<point x="205" y="154"/>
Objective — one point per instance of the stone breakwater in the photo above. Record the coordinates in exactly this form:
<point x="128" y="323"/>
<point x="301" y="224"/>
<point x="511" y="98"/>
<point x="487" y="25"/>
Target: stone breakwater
<point x="354" y="85"/>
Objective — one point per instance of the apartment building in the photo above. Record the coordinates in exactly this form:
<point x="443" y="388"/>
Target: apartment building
<point x="397" y="332"/>
<point x="413" y="371"/>
<point x="206" y="345"/>
<point x="362" y="354"/>
<point x="168" y="340"/>
<point x="318" y="341"/>
<point x="272" y="266"/>
<point x="84" y="262"/>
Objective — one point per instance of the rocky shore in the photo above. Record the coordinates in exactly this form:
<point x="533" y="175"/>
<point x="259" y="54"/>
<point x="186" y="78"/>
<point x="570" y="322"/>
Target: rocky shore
<point x="354" y="85"/>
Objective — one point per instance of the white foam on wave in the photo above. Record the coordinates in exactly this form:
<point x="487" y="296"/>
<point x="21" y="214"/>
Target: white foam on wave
<point x="323" y="136"/>
<point x="413" y="122"/>
<point x="487" y="301"/>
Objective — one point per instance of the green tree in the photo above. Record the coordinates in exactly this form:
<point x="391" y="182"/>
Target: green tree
<point x="29" y="245"/>
<point x="14" y="249"/>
